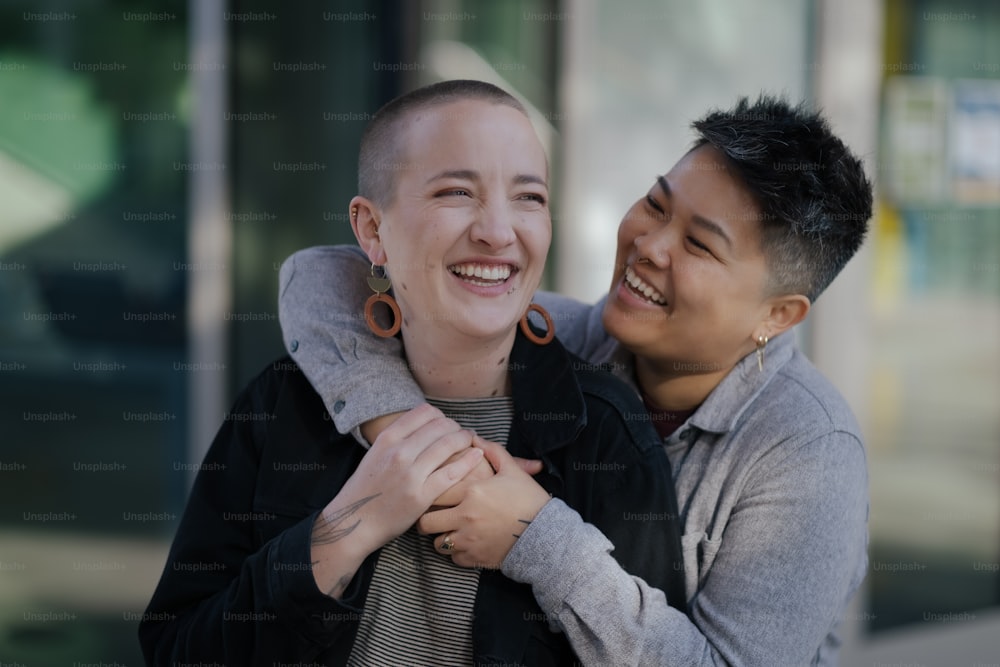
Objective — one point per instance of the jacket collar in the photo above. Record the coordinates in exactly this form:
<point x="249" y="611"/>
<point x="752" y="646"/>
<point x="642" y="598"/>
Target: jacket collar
<point x="721" y="411"/>
<point x="549" y="409"/>
<point x="723" y="408"/>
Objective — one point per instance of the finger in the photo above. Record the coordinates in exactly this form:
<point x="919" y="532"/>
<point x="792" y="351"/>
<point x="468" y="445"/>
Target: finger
<point x="442" y="436"/>
<point x="438" y="521"/>
<point x="408" y="455"/>
<point x="433" y="431"/>
<point x="445" y="544"/>
<point x="435" y="444"/>
<point x="410" y="421"/>
<point x="496" y="454"/>
<point x="456" y="493"/>
<point x="483" y="470"/>
<point x="446" y="476"/>
<point x="530" y="466"/>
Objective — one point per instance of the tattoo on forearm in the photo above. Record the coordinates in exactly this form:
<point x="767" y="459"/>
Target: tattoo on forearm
<point x="526" y="523"/>
<point x="328" y="530"/>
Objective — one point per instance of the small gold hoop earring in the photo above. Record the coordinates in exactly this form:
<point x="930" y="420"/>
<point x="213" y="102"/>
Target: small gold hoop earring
<point x="380" y="285"/>
<point x="550" y="328"/>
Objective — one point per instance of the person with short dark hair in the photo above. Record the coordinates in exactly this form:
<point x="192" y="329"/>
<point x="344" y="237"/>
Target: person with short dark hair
<point x="715" y="265"/>
<point x="298" y="543"/>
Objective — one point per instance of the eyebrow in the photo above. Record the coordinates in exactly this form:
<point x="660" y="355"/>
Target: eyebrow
<point x="524" y="179"/>
<point x="704" y="223"/>
<point x="461" y="174"/>
<point x="472" y="175"/>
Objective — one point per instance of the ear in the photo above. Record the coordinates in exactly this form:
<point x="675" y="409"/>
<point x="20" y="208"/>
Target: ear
<point x="365" y="220"/>
<point x="782" y="313"/>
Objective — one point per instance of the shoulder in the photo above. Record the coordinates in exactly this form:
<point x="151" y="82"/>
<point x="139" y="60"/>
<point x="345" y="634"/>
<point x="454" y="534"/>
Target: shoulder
<point x="279" y="376"/>
<point x="281" y="423"/>
<point x="279" y="398"/>
<point x="801" y="422"/>
<point x="796" y="414"/>
<point x="801" y="400"/>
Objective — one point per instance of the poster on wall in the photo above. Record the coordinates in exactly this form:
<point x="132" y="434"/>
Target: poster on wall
<point x="974" y="141"/>
<point x="914" y="165"/>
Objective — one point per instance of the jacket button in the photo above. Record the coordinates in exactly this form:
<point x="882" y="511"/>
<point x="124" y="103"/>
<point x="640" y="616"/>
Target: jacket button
<point x="338" y="406"/>
<point x="685" y="434"/>
<point x="294" y="345"/>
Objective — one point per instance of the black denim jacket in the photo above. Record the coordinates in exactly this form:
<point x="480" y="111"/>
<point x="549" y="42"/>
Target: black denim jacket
<point x="237" y="588"/>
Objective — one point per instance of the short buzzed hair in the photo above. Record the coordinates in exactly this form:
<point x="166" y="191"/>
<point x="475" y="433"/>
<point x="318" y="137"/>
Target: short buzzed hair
<point x="814" y="197"/>
<point x="380" y="157"/>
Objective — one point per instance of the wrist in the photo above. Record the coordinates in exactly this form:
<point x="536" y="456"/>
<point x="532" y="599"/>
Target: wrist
<point x="334" y="561"/>
<point x="370" y="430"/>
<point x="541" y="497"/>
<point x="348" y="531"/>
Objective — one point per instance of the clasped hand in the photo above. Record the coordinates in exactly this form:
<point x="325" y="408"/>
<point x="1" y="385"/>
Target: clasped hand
<point x="483" y="515"/>
<point x="426" y="469"/>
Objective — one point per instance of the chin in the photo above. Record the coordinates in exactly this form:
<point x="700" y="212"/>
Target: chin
<point x="614" y="319"/>
<point x="485" y="327"/>
<point x="629" y="331"/>
<point x="621" y="332"/>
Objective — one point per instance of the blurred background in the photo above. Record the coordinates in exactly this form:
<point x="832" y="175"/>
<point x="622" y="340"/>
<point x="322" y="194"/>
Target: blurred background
<point x="159" y="160"/>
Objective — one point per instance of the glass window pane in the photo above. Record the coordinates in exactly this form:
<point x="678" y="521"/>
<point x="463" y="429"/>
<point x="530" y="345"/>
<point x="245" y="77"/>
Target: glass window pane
<point x="93" y="136"/>
<point x="935" y="383"/>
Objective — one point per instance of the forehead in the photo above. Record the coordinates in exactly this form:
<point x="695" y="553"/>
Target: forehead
<point x="472" y="131"/>
<point x="704" y="186"/>
<point x="708" y="183"/>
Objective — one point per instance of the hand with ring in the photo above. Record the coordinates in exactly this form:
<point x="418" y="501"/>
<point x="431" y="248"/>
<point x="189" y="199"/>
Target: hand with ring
<point x="487" y="516"/>
<point x="447" y="545"/>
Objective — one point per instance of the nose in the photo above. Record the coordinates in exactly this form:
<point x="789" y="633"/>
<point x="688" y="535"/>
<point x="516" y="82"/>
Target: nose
<point x="494" y="225"/>
<point x="655" y="244"/>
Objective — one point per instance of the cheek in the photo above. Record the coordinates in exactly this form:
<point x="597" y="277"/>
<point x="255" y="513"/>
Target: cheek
<point x="629" y="228"/>
<point x="707" y="290"/>
<point x="732" y="311"/>
<point x="539" y="229"/>
<point x="628" y="231"/>
<point x="536" y="237"/>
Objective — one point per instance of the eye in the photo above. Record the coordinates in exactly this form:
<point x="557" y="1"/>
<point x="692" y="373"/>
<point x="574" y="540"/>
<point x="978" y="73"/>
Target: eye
<point x="653" y="204"/>
<point x="698" y="244"/>
<point x="454" y="192"/>
<point x="534" y="197"/>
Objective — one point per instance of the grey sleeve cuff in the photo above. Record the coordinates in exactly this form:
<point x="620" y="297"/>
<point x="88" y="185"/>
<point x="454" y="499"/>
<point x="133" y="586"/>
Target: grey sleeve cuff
<point x="321" y="304"/>
<point x="557" y="542"/>
<point x="365" y="390"/>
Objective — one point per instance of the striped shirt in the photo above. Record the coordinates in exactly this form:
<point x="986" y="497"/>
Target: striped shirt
<point x="419" y="608"/>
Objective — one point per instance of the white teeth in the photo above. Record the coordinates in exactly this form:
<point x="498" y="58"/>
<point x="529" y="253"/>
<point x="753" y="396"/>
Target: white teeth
<point x="483" y="271"/>
<point x="644" y="288"/>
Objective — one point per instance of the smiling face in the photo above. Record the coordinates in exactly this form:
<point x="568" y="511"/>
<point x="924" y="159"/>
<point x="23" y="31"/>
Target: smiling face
<point x="688" y="294"/>
<point x="465" y="235"/>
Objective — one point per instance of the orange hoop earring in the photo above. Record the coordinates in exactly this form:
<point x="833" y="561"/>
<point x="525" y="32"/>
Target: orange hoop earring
<point x="380" y="285"/>
<point x="550" y="328"/>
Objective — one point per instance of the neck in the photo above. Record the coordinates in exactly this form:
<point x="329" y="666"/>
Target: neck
<point x="453" y="365"/>
<point x="675" y="391"/>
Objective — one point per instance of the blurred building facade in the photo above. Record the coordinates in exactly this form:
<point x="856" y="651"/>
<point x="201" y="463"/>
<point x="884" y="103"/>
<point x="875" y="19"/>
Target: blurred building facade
<point x="158" y="161"/>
